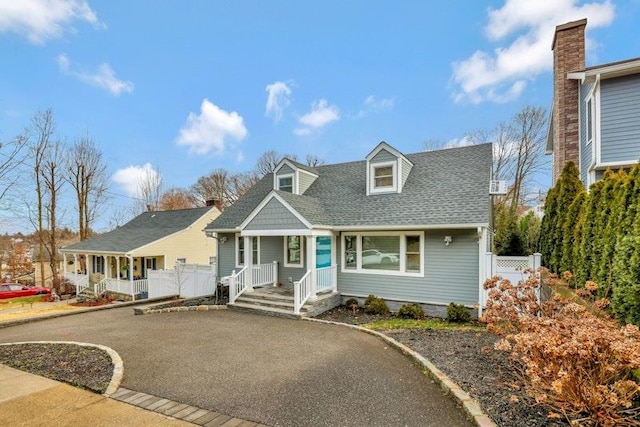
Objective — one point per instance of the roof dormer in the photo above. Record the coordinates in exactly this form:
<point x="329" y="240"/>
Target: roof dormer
<point x="387" y="170"/>
<point x="293" y="177"/>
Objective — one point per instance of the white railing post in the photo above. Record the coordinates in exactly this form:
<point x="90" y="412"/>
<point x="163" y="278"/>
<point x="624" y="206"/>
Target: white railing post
<point x="311" y="264"/>
<point x="248" y="262"/>
<point x="275" y="273"/>
<point x="232" y="287"/>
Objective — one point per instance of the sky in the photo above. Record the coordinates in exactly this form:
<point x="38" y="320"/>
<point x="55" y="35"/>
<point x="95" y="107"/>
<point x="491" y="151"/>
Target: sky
<point x="184" y="87"/>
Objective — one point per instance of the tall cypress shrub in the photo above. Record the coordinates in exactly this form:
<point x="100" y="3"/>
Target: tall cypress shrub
<point x="568" y="187"/>
<point x="571" y="232"/>
<point x="585" y="263"/>
<point x="604" y="243"/>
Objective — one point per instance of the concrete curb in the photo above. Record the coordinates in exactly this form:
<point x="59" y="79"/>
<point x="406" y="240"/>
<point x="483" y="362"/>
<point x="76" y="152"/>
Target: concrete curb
<point x="116" y="361"/>
<point x="6" y="323"/>
<point x="151" y="310"/>
<point x="470" y="405"/>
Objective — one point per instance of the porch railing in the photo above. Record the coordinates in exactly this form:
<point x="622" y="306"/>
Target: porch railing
<point x="80" y="281"/>
<point x="264" y="274"/>
<point x="237" y="284"/>
<point x="301" y="292"/>
<point x="100" y="287"/>
<point x="326" y="278"/>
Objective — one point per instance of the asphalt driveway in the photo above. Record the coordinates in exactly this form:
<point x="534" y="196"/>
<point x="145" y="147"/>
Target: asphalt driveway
<point x="270" y="370"/>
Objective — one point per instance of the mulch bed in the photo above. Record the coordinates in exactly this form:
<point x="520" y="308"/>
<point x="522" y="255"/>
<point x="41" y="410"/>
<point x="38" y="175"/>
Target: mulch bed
<point x="89" y="368"/>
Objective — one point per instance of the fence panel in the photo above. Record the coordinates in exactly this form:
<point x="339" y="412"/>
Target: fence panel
<point x="187" y="280"/>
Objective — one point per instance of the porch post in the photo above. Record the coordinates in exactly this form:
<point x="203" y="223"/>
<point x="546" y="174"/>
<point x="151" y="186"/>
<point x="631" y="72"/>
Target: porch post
<point x="275" y="273"/>
<point x="86" y="265"/>
<point x="130" y="258"/>
<point x="334" y="262"/>
<point x="311" y="266"/>
<point x="118" y="272"/>
<point x="248" y="262"/>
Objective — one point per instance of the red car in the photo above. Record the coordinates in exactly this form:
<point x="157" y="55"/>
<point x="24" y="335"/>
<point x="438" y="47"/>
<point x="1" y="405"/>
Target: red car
<point x="13" y="290"/>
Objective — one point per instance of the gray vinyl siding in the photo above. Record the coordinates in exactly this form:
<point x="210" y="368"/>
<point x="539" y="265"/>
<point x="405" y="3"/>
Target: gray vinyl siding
<point x="305" y="180"/>
<point x="406" y="169"/>
<point x="274" y="216"/>
<point x="451" y="273"/>
<point x="620" y="126"/>
<point x="272" y="249"/>
<point x="285" y="170"/>
<point x="383" y="156"/>
<point x="226" y="255"/>
<point x="586" y="151"/>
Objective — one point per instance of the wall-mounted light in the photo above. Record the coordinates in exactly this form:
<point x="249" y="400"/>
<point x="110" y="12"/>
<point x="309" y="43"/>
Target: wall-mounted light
<point x="447" y="240"/>
<point x="214" y="235"/>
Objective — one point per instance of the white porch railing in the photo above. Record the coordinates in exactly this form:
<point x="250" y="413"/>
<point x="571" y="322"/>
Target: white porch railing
<point x="100" y="287"/>
<point x="301" y="292"/>
<point x="80" y="281"/>
<point x="326" y="278"/>
<point x="249" y="278"/>
<point x="237" y="284"/>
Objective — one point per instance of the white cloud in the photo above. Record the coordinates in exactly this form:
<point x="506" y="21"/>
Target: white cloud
<point x="501" y="76"/>
<point x="211" y="129"/>
<point x="374" y="105"/>
<point x="104" y="78"/>
<point x="277" y="100"/>
<point x="129" y="178"/>
<point x="321" y="114"/>
<point x="40" y="20"/>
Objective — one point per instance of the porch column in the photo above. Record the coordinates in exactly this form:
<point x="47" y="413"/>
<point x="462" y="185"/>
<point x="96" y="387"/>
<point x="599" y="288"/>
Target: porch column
<point x="75" y="271"/>
<point x="86" y="264"/>
<point x="334" y="262"/>
<point x="130" y="259"/>
<point x="104" y="265"/>
<point x="118" y="272"/>
<point x="248" y="262"/>
<point x="311" y="266"/>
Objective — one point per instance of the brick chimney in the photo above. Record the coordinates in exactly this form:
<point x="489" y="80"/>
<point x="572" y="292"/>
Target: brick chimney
<point x="568" y="56"/>
<point x="215" y="202"/>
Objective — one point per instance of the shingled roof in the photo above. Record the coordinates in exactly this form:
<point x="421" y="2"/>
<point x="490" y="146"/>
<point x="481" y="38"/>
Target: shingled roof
<point x="448" y="187"/>
<point x="140" y="231"/>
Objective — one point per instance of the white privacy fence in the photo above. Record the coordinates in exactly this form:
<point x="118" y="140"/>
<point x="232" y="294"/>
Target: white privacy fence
<point x="513" y="268"/>
<point x="186" y="280"/>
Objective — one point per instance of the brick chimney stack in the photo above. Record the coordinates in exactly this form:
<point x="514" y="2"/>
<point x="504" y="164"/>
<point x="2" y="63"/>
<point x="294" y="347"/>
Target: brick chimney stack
<point x="568" y="55"/>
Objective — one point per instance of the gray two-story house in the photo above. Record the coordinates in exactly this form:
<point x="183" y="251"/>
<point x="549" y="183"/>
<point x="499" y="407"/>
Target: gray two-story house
<point x="595" y="120"/>
<point x="408" y="228"/>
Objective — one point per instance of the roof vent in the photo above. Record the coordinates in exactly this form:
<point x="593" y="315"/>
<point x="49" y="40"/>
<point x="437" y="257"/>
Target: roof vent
<point x="498" y="187"/>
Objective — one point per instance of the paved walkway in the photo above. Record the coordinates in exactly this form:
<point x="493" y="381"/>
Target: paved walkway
<point x="268" y="370"/>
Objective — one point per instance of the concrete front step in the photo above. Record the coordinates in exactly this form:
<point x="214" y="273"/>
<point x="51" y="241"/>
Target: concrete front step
<point x="282" y="305"/>
<point x="264" y="309"/>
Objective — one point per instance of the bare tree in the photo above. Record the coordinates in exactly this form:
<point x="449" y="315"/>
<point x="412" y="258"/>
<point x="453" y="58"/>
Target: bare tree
<point x="518" y="150"/>
<point x="12" y="155"/>
<point x="176" y="198"/>
<point x="87" y="175"/>
<point x="222" y="186"/>
<point x="268" y="161"/>
<point x="53" y="178"/>
<point x="313" y="160"/>
<point x="149" y="190"/>
<point x="40" y="136"/>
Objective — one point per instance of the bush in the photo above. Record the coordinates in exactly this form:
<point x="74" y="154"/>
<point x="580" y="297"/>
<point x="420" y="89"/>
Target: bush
<point x="573" y="357"/>
<point x="375" y="305"/>
<point x="411" y="311"/>
<point x="458" y="313"/>
<point x="351" y="302"/>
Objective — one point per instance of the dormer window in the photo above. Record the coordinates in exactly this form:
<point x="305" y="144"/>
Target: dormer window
<point x="285" y="183"/>
<point x="387" y="170"/>
<point x="383" y="177"/>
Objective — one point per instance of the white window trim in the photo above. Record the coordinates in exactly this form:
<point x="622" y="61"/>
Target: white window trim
<point x="255" y="261"/>
<point x="293" y="182"/>
<point x="286" y="253"/>
<point x="402" y="255"/>
<point x="181" y="260"/>
<point x="372" y="177"/>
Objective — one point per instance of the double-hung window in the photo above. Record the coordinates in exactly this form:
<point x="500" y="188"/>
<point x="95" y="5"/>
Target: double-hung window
<point x="293" y="251"/>
<point x="395" y="253"/>
<point x="240" y="250"/>
<point x="383" y="177"/>
<point x="285" y="183"/>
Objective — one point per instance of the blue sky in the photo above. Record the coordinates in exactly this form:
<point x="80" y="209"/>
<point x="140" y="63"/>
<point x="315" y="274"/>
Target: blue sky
<point x="185" y="87"/>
